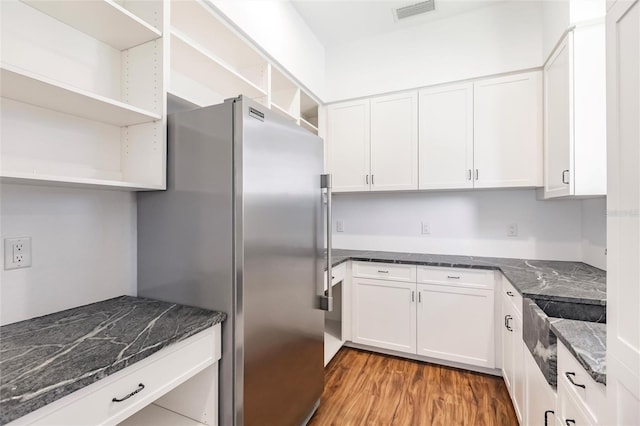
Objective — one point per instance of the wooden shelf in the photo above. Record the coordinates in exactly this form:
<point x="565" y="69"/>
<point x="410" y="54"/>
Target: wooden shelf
<point x="283" y="112"/>
<point x="24" y="86"/>
<point x="193" y="61"/>
<point x="309" y="126"/>
<point x="72" y="181"/>
<point x="157" y="416"/>
<point x="104" y="20"/>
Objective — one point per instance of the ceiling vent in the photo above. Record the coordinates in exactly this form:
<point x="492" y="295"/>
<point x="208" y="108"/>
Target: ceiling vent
<point x="414" y="9"/>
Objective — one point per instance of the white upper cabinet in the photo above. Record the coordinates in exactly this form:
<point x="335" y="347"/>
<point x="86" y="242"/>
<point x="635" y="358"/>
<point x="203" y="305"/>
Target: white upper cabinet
<point x="508" y="131"/>
<point x="446" y="137"/>
<point x="394" y="142"/>
<point x="575" y="115"/>
<point x="349" y="145"/>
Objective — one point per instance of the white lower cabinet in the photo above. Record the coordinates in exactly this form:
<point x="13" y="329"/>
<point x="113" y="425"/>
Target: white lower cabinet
<point x="384" y="314"/>
<point x="540" y="404"/>
<point x="456" y="324"/>
<point x="448" y="314"/>
<point x="513" y="353"/>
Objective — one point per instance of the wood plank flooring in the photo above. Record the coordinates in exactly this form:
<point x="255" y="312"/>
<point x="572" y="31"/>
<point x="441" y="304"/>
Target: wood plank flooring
<point x="364" y="388"/>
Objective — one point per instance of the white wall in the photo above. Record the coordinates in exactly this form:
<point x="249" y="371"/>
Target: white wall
<point x="556" y="20"/>
<point x="501" y="38"/>
<point x="465" y="223"/>
<point x="83" y="248"/>
<point x="594" y="232"/>
<point x="281" y="32"/>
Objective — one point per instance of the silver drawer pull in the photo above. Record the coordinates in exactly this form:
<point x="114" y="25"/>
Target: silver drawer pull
<point x="569" y="422"/>
<point x="383" y="272"/>
<point x="140" y="388"/>
<point x="510" y="293"/>
<point x="508" y="318"/>
<point x="453" y="277"/>
<point x="570" y="377"/>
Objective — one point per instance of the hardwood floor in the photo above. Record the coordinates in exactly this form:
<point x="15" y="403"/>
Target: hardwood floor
<point x="364" y="388"/>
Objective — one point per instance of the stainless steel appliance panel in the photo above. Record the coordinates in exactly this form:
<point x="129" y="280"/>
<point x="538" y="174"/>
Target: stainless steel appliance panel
<point x="185" y="234"/>
<point x="279" y="267"/>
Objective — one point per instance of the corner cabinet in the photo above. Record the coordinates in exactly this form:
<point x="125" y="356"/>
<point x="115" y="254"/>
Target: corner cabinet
<point x="83" y="97"/>
<point x="575" y="115"/>
<point x="507" y="131"/>
<point x="374" y="143"/>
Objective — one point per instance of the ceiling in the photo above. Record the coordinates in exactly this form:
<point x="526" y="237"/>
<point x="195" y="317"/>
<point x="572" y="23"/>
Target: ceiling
<point x="337" y="21"/>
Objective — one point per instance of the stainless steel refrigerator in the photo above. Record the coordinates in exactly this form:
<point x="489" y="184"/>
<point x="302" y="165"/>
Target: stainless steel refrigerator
<point x="240" y="230"/>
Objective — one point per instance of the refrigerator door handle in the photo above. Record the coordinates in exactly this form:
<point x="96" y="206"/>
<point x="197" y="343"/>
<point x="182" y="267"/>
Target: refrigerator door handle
<point x="326" y="302"/>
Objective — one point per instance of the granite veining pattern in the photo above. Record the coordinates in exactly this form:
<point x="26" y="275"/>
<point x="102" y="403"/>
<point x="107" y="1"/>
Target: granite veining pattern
<point x="587" y="341"/>
<point x="573" y="282"/>
<point x="46" y="358"/>
<point x="540" y="340"/>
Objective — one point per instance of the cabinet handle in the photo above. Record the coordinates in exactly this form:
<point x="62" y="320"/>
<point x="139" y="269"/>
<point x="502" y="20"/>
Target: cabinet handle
<point x="372" y="181"/>
<point x="453" y="277"/>
<point x="366" y="179"/>
<point x="419" y="297"/>
<point x="477" y="174"/>
<point x="508" y="318"/>
<point x="413" y="296"/>
<point x="569" y="422"/>
<point x="470" y="172"/>
<point x="140" y="388"/>
<point x="382" y="271"/>
<point x="570" y="377"/>
<point x="545" y="416"/>
<point x="566" y="182"/>
<point x="510" y="293"/>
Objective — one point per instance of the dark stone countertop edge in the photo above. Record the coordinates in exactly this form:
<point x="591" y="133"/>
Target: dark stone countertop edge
<point x="598" y="374"/>
<point x="370" y="257"/>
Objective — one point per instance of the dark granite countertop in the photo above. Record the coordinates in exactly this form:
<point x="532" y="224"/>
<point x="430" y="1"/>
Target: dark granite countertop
<point x="46" y="358"/>
<point x="573" y="282"/>
<point x="587" y="341"/>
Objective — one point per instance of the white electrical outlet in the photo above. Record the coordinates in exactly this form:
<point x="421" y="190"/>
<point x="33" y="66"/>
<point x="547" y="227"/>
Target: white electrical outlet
<point x="512" y="230"/>
<point x="426" y="228"/>
<point x="339" y="226"/>
<point x="17" y="253"/>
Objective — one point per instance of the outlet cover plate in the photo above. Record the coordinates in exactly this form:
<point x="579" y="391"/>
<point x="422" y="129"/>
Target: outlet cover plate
<point x="17" y="253"/>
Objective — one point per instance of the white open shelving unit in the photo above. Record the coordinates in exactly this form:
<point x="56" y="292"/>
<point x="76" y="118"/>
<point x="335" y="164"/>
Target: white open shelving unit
<point x="83" y="97"/>
<point x="85" y="84"/>
<point x="210" y="62"/>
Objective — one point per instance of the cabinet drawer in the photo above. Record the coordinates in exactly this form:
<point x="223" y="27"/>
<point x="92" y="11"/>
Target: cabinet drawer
<point x="337" y="273"/>
<point x="512" y="294"/>
<point x="385" y="271"/>
<point x="158" y="373"/>
<point x="593" y="395"/>
<point x="474" y="278"/>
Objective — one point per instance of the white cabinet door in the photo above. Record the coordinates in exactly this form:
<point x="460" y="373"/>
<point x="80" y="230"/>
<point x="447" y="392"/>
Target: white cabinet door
<point x="446" y="137"/>
<point x="512" y="354"/>
<point x="507" y="342"/>
<point x="518" y="367"/>
<point x="456" y="324"/>
<point x="384" y="314"/>
<point x="558" y="122"/>
<point x="394" y="142"/>
<point x="540" y="397"/>
<point x="348" y="139"/>
<point x="623" y="211"/>
<point x="508" y="131"/>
